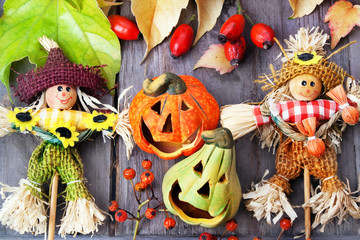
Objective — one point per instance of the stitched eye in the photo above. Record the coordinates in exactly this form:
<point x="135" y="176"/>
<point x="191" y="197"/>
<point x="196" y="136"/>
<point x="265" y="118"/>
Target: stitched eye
<point x="68" y="89"/>
<point x="59" y="88"/>
<point x="303" y="83"/>
<point x="312" y="84"/>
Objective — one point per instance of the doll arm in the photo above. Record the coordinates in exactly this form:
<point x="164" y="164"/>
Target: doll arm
<point x="21" y="120"/>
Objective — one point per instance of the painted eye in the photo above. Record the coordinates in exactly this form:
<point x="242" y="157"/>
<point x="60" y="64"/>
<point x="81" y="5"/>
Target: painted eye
<point x="303" y="83"/>
<point x="59" y="88"/>
<point x="68" y="89"/>
<point x="312" y="84"/>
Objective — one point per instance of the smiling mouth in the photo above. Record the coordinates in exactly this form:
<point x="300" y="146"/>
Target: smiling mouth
<point x="66" y="101"/>
<point x="310" y="96"/>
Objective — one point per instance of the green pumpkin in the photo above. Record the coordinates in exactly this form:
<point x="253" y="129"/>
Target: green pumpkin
<point x="204" y="188"/>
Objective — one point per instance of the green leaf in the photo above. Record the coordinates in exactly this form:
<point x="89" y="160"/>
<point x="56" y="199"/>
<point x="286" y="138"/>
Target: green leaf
<point x="79" y="27"/>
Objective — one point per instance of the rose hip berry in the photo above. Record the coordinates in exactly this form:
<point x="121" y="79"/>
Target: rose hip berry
<point x="147" y="164"/>
<point x="262" y="36"/>
<point x="169" y="223"/>
<point x="231" y="225"/>
<point x="150" y="213"/>
<point x="233" y="238"/>
<point x="207" y="236"/>
<point x="129" y="173"/>
<point x="257" y="238"/>
<point x="181" y="40"/>
<point x="121" y="216"/>
<point x="147" y="177"/>
<point x="124" y="28"/>
<point x="113" y="206"/>
<point x="232" y="28"/>
<point x="235" y="51"/>
<point x="285" y="223"/>
<point x="140" y="186"/>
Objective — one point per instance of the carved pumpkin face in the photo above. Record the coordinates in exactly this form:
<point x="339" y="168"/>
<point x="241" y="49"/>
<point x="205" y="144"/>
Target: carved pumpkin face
<point x="204" y="189"/>
<point x="169" y="114"/>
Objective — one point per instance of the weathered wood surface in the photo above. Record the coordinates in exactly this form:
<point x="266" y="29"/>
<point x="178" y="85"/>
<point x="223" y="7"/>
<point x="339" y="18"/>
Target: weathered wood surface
<point x="106" y="183"/>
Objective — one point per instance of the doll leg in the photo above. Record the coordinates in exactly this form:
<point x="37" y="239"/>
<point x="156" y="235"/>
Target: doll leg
<point x="268" y="197"/>
<point x="81" y="213"/>
<point x="24" y="210"/>
<point x="333" y="199"/>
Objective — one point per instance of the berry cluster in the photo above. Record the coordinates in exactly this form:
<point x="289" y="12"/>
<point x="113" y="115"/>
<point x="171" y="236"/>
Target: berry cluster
<point x="231" y="226"/>
<point x="145" y="185"/>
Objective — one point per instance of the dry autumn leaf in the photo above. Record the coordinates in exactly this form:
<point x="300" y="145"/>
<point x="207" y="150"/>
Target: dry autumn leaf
<point x="156" y="19"/>
<point x="340" y="26"/>
<point x="208" y="12"/>
<point x="215" y="58"/>
<point x="303" y="7"/>
<point x="105" y="5"/>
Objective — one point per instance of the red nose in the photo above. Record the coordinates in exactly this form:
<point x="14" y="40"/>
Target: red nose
<point x="307" y="90"/>
<point x="63" y="94"/>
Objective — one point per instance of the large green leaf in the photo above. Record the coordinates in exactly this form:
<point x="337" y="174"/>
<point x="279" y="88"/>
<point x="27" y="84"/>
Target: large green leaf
<point x="79" y="26"/>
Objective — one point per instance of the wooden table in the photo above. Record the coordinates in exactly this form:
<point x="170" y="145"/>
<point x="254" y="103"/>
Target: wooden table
<point x="104" y="162"/>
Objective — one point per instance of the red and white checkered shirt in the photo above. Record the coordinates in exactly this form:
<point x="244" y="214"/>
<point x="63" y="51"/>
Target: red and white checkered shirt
<point x="296" y="111"/>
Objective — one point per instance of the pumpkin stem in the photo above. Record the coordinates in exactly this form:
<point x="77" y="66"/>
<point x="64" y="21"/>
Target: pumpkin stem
<point x="221" y="137"/>
<point x="167" y="82"/>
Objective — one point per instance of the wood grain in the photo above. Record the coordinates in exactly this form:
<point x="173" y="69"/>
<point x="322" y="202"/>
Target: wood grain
<point x="106" y="183"/>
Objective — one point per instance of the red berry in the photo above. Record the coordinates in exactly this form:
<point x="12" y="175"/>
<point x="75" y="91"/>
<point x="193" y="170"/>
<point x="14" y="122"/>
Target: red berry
<point x="285" y="223"/>
<point x="235" y="51"/>
<point x="262" y="35"/>
<point x="181" y="40"/>
<point x="169" y="223"/>
<point x="257" y="238"/>
<point x="207" y="236"/>
<point x="147" y="177"/>
<point x="129" y="173"/>
<point x="124" y="28"/>
<point x="231" y="225"/>
<point x="150" y="213"/>
<point x="147" y="164"/>
<point x="233" y="238"/>
<point x="232" y="28"/>
<point x="121" y="216"/>
<point x="113" y="206"/>
<point x="140" y="186"/>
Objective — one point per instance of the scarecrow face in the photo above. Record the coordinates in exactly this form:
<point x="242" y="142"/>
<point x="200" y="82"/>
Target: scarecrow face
<point x="305" y="87"/>
<point x="61" y="96"/>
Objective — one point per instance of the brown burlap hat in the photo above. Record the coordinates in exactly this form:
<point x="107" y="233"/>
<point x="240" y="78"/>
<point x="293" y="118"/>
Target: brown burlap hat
<point x="59" y="70"/>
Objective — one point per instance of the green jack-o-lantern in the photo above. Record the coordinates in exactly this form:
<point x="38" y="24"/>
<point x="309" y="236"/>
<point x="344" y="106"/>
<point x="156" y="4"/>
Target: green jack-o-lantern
<point x="204" y="189"/>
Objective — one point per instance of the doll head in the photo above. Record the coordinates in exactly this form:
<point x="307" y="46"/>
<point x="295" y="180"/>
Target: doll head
<point x="305" y="87"/>
<point x="61" y="96"/>
<point x="59" y="78"/>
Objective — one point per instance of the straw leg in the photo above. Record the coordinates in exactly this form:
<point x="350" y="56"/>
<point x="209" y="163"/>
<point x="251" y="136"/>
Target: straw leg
<point x="53" y="200"/>
<point x="307" y="209"/>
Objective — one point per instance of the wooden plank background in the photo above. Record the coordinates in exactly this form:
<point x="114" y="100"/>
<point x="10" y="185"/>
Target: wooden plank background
<point x="104" y="162"/>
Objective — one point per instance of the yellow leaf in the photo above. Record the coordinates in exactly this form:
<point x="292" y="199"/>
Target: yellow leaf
<point x="303" y="7"/>
<point x="340" y="26"/>
<point x="105" y="5"/>
<point x="156" y="18"/>
<point x="208" y="12"/>
<point x="215" y="58"/>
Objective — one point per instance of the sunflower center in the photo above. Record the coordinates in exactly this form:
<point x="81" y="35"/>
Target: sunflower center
<point x="24" y="116"/>
<point x="306" y="56"/>
<point x="64" y="132"/>
<point x="100" y="118"/>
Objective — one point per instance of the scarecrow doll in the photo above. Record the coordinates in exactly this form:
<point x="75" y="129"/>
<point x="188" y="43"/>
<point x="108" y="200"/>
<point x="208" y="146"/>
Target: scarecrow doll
<point x="52" y="92"/>
<point x="304" y="115"/>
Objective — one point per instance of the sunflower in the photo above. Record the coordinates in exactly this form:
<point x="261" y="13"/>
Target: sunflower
<point x="23" y="119"/>
<point x="100" y="121"/>
<point x="304" y="58"/>
<point x="65" y="133"/>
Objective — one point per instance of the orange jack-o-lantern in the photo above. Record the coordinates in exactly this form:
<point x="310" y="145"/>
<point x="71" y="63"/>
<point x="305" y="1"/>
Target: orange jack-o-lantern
<point x="169" y="114"/>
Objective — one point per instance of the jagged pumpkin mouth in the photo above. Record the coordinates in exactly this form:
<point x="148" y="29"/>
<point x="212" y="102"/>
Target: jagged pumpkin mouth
<point x="188" y="209"/>
<point x="169" y="147"/>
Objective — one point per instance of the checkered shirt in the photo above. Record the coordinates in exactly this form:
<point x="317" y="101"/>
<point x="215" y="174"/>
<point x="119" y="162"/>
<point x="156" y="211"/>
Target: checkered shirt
<point x="296" y="111"/>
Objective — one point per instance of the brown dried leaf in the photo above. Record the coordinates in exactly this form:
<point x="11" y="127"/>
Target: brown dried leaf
<point x="215" y="58"/>
<point x="303" y="7"/>
<point x="105" y="5"/>
<point x="340" y="26"/>
<point x="208" y="12"/>
<point x="156" y="19"/>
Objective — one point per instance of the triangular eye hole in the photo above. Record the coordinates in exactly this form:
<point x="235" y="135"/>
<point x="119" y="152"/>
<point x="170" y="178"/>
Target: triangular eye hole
<point x="156" y="107"/>
<point x="184" y="106"/>
<point x="199" y="168"/>
<point x="223" y="179"/>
